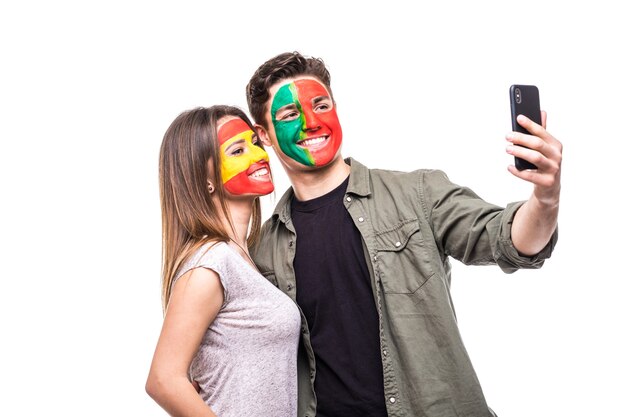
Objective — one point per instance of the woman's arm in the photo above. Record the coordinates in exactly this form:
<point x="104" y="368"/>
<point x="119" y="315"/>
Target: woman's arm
<point x="196" y="299"/>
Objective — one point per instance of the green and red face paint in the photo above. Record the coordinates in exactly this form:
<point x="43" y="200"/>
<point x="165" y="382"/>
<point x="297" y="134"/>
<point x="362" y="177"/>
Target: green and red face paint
<point x="306" y="123"/>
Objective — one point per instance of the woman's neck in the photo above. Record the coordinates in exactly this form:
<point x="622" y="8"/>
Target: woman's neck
<point x="240" y="215"/>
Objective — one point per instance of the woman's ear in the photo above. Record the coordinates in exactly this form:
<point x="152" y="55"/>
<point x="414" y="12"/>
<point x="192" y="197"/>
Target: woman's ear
<point x="263" y="135"/>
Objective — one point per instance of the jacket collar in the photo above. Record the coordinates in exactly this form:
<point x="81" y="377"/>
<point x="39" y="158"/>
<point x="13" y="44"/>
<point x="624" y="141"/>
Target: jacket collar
<point x="358" y="184"/>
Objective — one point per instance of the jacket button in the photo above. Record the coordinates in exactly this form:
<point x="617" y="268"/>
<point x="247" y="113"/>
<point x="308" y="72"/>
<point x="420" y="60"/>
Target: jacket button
<point x="348" y="199"/>
<point x="392" y="400"/>
<point x="361" y="219"/>
<point x="290" y="243"/>
<point x="398" y="244"/>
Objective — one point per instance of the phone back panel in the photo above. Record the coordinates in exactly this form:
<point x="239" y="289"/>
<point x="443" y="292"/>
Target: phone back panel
<point x="524" y="100"/>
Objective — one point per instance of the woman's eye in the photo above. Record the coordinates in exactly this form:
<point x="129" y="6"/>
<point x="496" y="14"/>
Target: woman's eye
<point x="237" y="152"/>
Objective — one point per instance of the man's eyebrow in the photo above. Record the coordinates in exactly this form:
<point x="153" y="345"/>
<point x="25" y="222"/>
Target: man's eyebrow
<point x="320" y="98"/>
<point x="291" y="106"/>
<point x="237" y="142"/>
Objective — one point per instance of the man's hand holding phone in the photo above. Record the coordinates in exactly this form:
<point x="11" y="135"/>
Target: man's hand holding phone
<point x="538" y="157"/>
<point x="541" y="149"/>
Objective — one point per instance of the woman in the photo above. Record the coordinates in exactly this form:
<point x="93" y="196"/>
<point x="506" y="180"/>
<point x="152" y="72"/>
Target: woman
<point x="229" y="340"/>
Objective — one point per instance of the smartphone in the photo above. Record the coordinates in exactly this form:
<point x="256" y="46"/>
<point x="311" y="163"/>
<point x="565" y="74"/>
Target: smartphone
<point x="524" y="100"/>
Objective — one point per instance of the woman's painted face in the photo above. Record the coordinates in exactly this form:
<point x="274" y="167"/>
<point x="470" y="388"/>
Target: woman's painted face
<point x="245" y="165"/>
<point x="306" y="123"/>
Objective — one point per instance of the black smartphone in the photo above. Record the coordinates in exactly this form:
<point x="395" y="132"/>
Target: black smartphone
<point x="524" y="100"/>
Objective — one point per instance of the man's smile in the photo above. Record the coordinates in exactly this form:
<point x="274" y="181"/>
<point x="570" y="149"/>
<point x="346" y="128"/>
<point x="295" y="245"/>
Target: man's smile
<point x="313" y="143"/>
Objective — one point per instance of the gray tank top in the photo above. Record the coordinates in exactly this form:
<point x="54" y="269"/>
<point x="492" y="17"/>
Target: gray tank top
<point x="246" y="363"/>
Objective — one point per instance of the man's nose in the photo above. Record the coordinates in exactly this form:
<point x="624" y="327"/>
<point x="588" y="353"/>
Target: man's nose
<point x="311" y="121"/>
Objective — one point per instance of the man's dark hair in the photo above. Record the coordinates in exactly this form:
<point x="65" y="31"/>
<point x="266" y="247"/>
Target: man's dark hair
<point x="283" y="66"/>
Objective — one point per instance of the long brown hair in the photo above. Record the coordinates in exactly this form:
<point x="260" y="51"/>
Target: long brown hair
<point x="189" y="216"/>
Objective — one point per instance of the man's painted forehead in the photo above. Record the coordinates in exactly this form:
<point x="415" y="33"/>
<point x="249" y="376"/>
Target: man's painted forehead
<point x="231" y="129"/>
<point x="309" y="89"/>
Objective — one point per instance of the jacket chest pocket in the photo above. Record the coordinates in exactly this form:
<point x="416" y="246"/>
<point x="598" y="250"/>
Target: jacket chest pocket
<point x="402" y="261"/>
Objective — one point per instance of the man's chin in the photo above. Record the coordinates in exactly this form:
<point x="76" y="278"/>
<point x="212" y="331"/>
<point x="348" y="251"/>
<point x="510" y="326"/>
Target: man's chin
<point x="320" y="161"/>
<point x="326" y="157"/>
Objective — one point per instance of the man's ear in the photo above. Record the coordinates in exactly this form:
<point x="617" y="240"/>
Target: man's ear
<point x="263" y="135"/>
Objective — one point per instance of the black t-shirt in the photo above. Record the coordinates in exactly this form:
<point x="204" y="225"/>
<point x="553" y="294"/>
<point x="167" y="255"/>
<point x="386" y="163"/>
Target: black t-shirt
<point x="335" y="294"/>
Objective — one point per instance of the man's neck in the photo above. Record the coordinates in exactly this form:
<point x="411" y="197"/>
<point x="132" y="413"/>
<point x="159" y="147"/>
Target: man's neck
<point x="316" y="183"/>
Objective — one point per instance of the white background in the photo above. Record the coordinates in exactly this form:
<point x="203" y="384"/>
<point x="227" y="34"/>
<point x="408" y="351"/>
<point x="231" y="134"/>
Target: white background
<point x="87" y="90"/>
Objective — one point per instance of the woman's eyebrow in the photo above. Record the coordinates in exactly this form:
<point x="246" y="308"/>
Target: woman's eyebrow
<point x="237" y="142"/>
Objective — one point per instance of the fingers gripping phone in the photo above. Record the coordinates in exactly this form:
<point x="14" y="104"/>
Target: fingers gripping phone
<point x="524" y="100"/>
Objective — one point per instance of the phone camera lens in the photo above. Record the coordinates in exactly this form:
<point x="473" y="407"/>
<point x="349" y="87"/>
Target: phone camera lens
<point x="518" y="95"/>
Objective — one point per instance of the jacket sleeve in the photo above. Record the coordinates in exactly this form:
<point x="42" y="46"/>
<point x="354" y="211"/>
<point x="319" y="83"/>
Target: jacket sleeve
<point x="471" y="230"/>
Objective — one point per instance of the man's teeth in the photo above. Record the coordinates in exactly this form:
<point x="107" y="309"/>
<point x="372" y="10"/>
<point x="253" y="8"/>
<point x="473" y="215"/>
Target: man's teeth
<point x="313" y="141"/>
<point x="259" y="172"/>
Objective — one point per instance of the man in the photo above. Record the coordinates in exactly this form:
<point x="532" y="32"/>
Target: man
<point x="365" y="253"/>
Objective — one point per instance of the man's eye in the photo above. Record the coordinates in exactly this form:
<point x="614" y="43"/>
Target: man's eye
<point x="322" y="107"/>
<point x="289" y="116"/>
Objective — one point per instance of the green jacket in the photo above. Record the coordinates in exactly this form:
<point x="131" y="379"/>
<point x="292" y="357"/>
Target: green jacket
<point x="410" y="223"/>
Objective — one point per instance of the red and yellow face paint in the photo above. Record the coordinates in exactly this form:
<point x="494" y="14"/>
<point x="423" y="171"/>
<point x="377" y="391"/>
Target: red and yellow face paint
<point x="245" y="166"/>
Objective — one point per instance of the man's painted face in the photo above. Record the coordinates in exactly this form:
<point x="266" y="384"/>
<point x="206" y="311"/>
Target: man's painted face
<point x="245" y="166"/>
<point x="306" y="123"/>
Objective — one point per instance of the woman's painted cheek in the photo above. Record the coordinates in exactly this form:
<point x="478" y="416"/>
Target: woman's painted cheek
<point x="230" y="167"/>
<point x="234" y="165"/>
